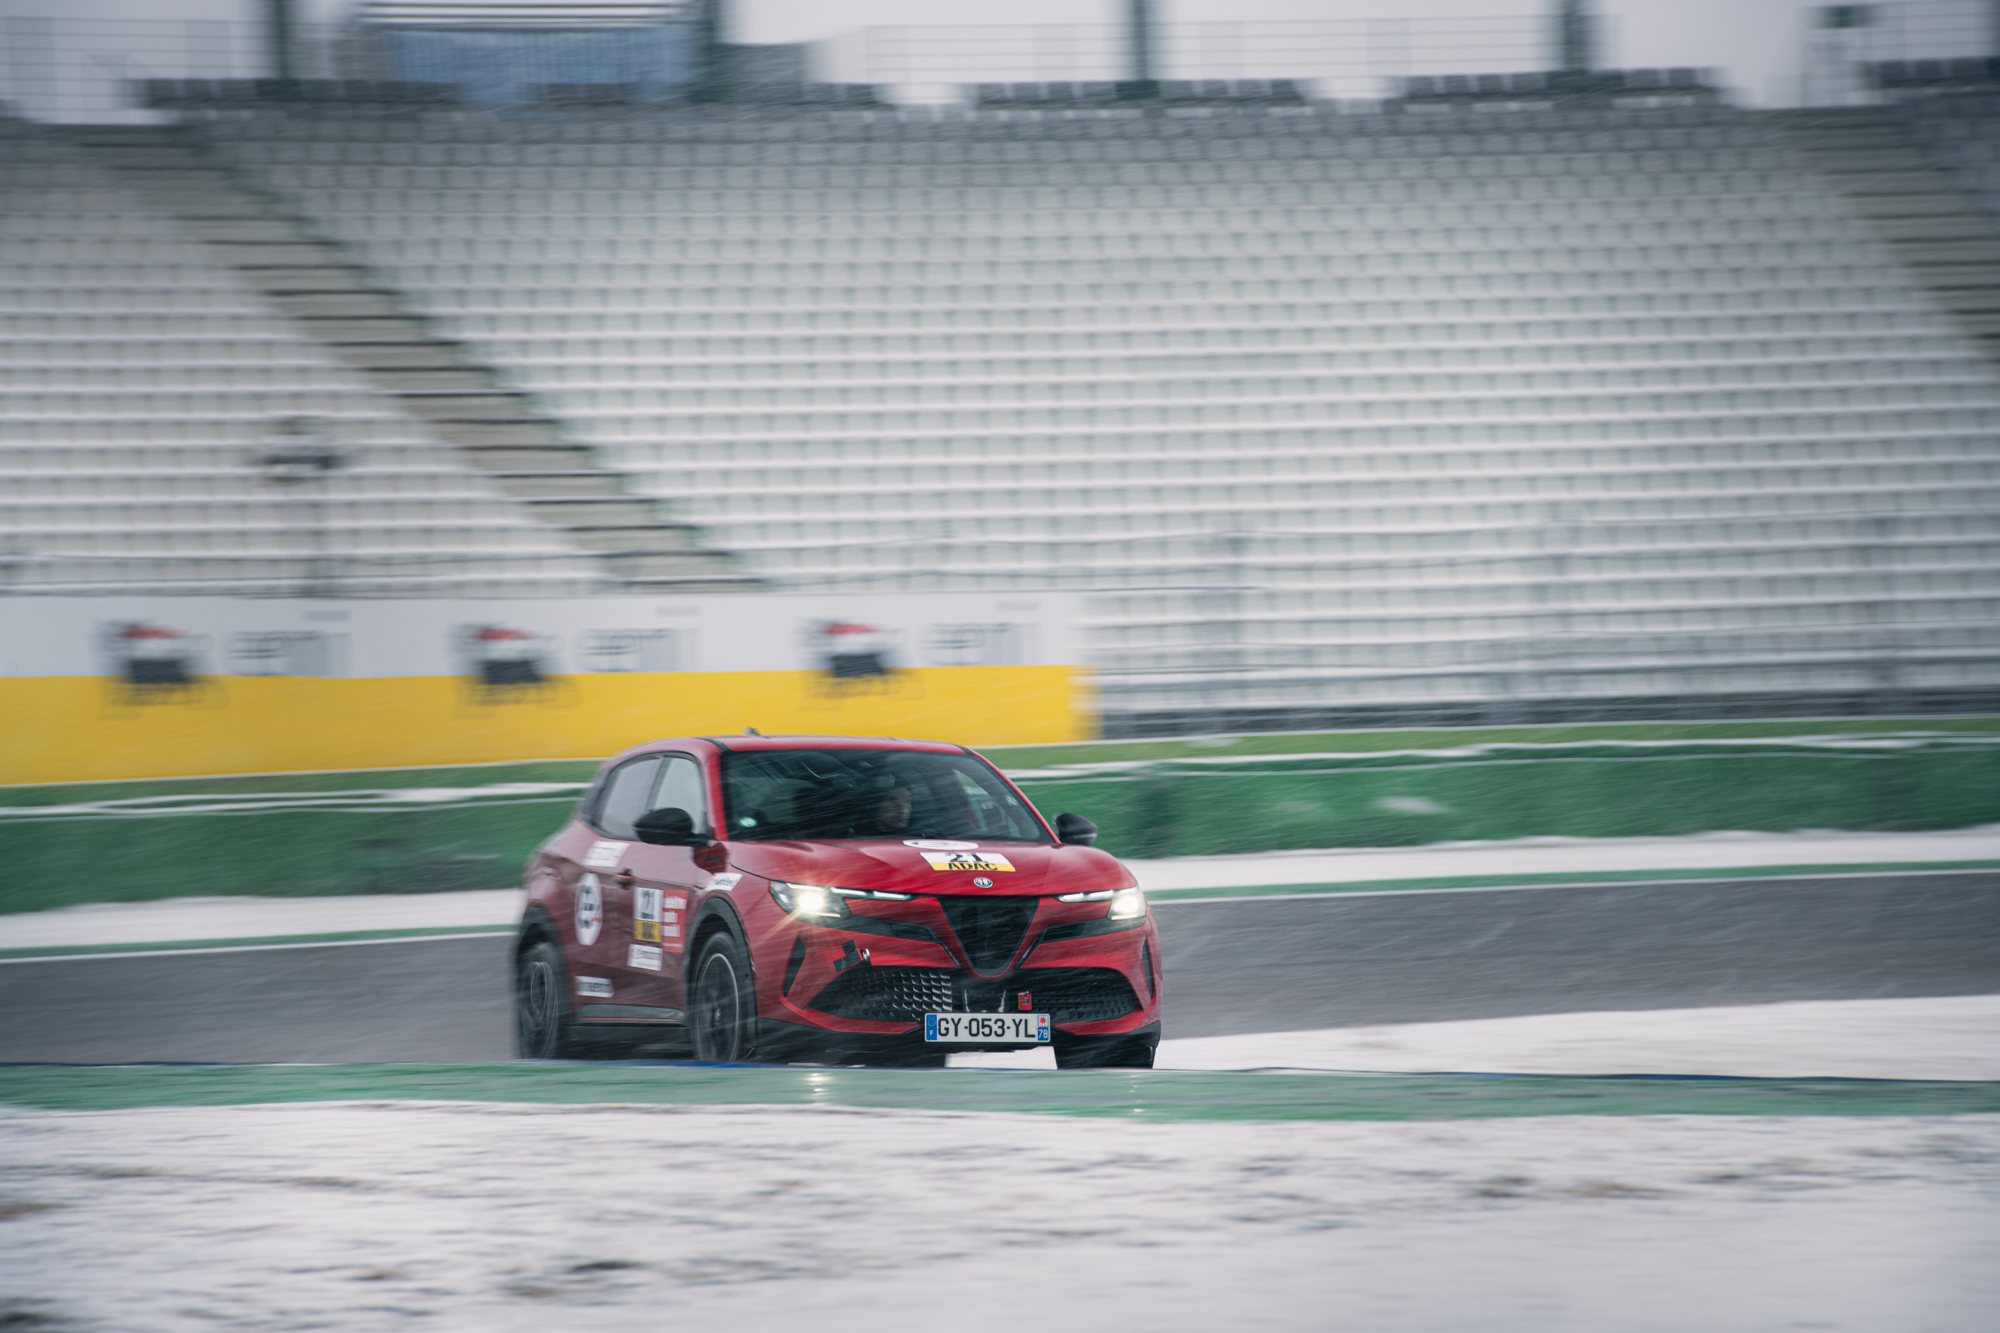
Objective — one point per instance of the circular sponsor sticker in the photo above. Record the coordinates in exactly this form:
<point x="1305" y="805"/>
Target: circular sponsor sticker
<point x="940" y="845"/>
<point x="589" y="910"/>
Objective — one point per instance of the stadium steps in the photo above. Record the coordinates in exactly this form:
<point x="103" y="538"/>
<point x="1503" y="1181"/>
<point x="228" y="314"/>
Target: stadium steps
<point x="1914" y="209"/>
<point x="337" y="301"/>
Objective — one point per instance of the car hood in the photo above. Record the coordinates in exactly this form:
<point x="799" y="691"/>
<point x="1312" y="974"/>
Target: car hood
<point x="932" y="865"/>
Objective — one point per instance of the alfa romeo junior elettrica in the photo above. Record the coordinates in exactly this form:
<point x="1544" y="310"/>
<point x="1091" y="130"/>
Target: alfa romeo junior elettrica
<point x="830" y="899"/>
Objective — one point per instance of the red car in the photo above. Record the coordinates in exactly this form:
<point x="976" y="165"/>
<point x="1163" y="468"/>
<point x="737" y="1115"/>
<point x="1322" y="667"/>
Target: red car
<point x="830" y="898"/>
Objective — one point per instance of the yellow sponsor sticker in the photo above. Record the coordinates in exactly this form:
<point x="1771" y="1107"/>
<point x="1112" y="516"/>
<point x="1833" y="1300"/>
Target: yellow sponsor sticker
<point x="646" y="905"/>
<point x="975" y="862"/>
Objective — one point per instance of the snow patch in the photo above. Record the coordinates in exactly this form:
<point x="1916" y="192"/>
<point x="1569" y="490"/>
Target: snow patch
<point x="503" y="1218"/>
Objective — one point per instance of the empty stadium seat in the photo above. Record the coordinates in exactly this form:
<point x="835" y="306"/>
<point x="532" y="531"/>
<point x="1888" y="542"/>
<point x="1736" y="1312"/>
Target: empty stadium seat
<point x="1318" y="408"/>
<point x="140" y="383"/>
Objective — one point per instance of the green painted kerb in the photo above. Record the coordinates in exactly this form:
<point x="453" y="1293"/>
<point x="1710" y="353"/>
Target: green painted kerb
<point x="1140" y="1095"/>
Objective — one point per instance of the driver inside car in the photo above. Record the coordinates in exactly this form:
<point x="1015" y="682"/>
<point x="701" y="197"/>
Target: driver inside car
<point x="892" y="812"/>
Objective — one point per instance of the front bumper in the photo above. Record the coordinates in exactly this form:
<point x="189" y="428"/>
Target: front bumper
<point x="880" y="976"/>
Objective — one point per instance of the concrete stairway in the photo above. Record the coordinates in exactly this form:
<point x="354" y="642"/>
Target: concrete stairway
<point x="495" y="429"/>
<point x="1913" y="208"/>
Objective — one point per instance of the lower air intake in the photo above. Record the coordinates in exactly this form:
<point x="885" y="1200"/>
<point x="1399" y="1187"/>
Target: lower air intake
<point x="1076" y="994"/>
<point x="888" y="994"/>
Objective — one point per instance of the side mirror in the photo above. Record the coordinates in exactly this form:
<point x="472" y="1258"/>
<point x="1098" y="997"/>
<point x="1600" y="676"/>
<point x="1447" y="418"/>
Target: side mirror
<point x="669" y="827"/>
<point x="1076" y="830"/>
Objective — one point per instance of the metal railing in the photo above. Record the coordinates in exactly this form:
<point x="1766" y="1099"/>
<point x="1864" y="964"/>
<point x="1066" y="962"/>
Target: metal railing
<point x="83" y="70"/>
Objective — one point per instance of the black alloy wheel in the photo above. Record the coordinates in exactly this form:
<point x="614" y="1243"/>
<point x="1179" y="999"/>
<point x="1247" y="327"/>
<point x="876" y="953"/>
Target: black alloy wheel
<point x="722" y="1007"/>
<point x="543" y="1026"/>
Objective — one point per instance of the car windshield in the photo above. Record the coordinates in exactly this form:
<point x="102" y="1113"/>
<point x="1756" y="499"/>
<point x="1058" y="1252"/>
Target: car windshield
<point x="870" y="794"/>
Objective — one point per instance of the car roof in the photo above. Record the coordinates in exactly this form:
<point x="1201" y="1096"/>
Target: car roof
<point x="798" y="742"/>
<point x="812" y="742"/>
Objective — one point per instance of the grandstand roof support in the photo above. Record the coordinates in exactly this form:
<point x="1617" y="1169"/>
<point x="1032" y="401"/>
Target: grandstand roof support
<point x="1142" y="81"/>
<point x="278" y="31"/>
<point x="717" y="82"/>
<point x="1576" y="34"/>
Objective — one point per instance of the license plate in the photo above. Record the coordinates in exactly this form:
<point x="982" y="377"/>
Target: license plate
<point x="986" y="1027"/>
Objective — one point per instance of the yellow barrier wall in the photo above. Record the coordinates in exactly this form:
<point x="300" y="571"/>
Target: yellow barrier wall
<point x="81" y="729"/>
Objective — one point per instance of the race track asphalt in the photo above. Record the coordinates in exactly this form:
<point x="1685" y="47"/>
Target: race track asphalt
<point x="1244" y="965"/>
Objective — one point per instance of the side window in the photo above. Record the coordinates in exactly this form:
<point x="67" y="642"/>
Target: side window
<point x="627" y="796"/>
<point x="680" y="789"/>
<point x="984" y="810"/>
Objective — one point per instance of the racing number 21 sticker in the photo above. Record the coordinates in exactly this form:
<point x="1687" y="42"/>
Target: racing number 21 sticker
<point x="979" y="862"/>
<point x="656" y="917"/>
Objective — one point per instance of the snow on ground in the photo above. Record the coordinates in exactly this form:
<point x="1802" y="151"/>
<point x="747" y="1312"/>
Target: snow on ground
<point x="1947" y="1038"/>
<point x="98" y="924"/>
<point x="397" y="1216"/>
<point x="1542" y="856"/>
<point x="102" y="924"/>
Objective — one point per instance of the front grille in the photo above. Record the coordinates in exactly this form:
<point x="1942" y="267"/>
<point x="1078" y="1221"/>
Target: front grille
<point x="888" y="994"/>
<point x="906" y="994"/>
<point x="990" y="928"/>
<point x="1075" y="994"/>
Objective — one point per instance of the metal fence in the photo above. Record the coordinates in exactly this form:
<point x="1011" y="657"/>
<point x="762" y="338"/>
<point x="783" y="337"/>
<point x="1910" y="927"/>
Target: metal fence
<point x="1345" y="58"/>
<point x="1840" y="39"/>
<point x="81" y="70"/>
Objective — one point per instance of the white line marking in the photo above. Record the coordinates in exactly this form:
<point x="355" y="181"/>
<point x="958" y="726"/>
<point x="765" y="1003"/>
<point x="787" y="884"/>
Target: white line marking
<point x="1531" y="888"/>
<point x="258" y="948"/>
<point x="1157" y="902"/>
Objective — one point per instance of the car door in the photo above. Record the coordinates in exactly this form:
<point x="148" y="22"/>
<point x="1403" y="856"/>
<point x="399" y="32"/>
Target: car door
<point x="604" y="886"/>
<point x="659" y="883"/>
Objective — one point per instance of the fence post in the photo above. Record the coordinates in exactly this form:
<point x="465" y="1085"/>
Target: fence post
<point x="278" y="14"/>
<point x="1141" y="82"/>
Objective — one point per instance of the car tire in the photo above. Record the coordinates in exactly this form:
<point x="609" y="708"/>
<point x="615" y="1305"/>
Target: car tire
<point x="544" y="1028"/>
<point x="1105" y="1053"/>
<point x="722" y="1002"/>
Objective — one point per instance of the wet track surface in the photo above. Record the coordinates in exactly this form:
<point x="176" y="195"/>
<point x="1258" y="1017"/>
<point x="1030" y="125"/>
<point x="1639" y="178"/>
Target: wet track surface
<point x="1258" y="965"/>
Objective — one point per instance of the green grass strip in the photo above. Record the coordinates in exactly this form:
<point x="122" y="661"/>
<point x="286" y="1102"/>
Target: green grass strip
<point x="1571" y="879"/>
<point x="1140" y="1095"/>
<point x="251" y="942"/>
<point x="1361" y="741"/>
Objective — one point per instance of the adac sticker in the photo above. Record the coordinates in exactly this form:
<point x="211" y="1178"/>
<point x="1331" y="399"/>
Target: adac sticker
<point x="596" y="987"/>
<point x="971" y="861"/>
<point x="589" y="910"/>
<point x="643" y="956"/>
<point x="603" y="855"/>
<point x="940" y="845"/>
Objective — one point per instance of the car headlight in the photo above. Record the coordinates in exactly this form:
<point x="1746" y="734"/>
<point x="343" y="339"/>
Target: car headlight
<point x="1126" y="904"/>
<point x="812" y="902"/>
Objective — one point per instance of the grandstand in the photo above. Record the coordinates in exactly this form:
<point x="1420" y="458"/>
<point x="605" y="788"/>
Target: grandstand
<point x="170" y="426"/>
<point x="1591" y="405"/>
